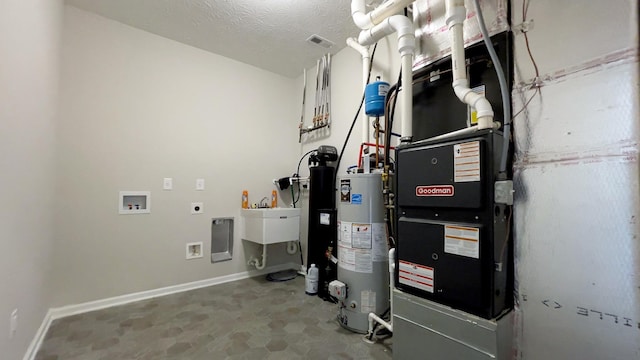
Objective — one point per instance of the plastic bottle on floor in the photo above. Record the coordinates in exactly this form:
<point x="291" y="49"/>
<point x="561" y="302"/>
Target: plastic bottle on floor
<point x="311" y="281"/>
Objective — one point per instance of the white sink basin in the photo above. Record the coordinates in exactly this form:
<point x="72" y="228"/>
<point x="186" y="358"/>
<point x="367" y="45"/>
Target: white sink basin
<point x="270" y="226"/>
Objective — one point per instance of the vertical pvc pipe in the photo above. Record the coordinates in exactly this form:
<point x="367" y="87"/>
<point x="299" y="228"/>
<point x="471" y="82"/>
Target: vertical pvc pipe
<point x="366" y="58"/>
<point x="406" y="99"/>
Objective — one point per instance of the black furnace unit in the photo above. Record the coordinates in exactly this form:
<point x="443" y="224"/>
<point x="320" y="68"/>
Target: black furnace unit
<point x="453" y="242"/>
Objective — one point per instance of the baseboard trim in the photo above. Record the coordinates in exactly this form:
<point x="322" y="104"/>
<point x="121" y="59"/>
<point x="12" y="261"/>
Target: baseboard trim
<point x="69" y="310"/>
<point x="33" y="348"/>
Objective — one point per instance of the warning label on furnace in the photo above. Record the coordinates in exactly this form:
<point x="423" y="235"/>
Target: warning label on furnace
<point x="463" y="241"/>
<point x="466" y="162"/>
<point x="417" y="276"/>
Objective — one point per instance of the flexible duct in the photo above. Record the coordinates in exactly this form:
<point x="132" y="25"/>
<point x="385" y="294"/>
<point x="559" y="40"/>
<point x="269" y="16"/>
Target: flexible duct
<point x="456" y="14"/>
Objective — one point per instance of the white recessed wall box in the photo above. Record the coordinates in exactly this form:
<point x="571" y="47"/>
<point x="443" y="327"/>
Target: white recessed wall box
<point x="134" y="202"/>
<point x="194" y="250"/>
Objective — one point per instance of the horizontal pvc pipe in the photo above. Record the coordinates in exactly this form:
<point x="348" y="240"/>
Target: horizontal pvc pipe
<point x="373" y="318"/>
<point x="366" y="20"/>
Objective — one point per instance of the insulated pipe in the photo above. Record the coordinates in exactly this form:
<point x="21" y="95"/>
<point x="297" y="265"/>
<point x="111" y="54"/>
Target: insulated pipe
<point x="406" y="45"/>
<point x="292" y="247"/>
<point x="366" y="57"/>
<point x="366" y="20"/>
<point x="456" y="14"/>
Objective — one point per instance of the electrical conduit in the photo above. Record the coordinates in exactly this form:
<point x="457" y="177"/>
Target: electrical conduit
<point x="456" y="14"/>
<point x="366" y="57"/>
<point x="504" y="89"/>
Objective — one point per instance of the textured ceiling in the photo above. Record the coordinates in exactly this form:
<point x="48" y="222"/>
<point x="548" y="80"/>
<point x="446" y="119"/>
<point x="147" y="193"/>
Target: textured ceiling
<point x="269" y="34"/>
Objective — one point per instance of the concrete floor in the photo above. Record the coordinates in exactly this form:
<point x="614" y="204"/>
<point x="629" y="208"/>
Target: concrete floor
<point x="246" y="319"/>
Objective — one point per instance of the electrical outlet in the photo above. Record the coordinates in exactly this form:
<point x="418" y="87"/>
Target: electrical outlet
<point x="199" y="184"/>
<point x="197" y="208"/>
<point x="13" y="323"/>
<point x="194" y="250"/>
<point x="167" y="184"/>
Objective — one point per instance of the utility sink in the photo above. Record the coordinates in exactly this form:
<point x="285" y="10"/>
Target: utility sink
<point x="271" y="225"/>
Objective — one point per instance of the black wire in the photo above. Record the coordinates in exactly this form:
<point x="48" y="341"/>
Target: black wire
<point x="297" y="174"/>
<point x="355" y="118"/>
<point x="391" y="113"/>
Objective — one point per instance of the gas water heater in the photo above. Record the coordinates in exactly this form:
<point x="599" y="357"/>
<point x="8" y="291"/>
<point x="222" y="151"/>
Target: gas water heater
<point x="363" y="260"/>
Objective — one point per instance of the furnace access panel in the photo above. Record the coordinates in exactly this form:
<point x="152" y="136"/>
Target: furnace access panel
<point x="452" y="244"/>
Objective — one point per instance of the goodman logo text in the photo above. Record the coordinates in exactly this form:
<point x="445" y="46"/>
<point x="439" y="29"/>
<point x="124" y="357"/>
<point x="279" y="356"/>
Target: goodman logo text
<point x="434" y="190"/>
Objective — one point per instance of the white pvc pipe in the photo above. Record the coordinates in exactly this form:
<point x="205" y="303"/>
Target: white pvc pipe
<point x="366" y="57"/>
<point x="373" y="318"/>
<point x="456" y="14"/>
<point x="467" y="130"/>
<point x="292" y="247"/>
<point x="366" y="20"/>
<point x="406" y="99"/>
<point x="260" y="265"/>
<point x="392" y="280"/>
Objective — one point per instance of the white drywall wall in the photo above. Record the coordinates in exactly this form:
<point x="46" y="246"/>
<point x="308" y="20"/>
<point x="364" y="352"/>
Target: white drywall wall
<point x="29" y="70"/>
<point x="136" y="108"/>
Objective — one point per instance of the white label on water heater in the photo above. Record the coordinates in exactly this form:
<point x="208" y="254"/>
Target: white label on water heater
<point x="380" y="248"/>
<point x="466" y="162"/>
<point x="361" y="236"/>
<point x="463" y="241"/>
<point x="346" y="258"/>
<point x="363" y="261"/>
<point x="344" y="233"/>
<point x="356" y="260"/>
<point x="367" y="301"/>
